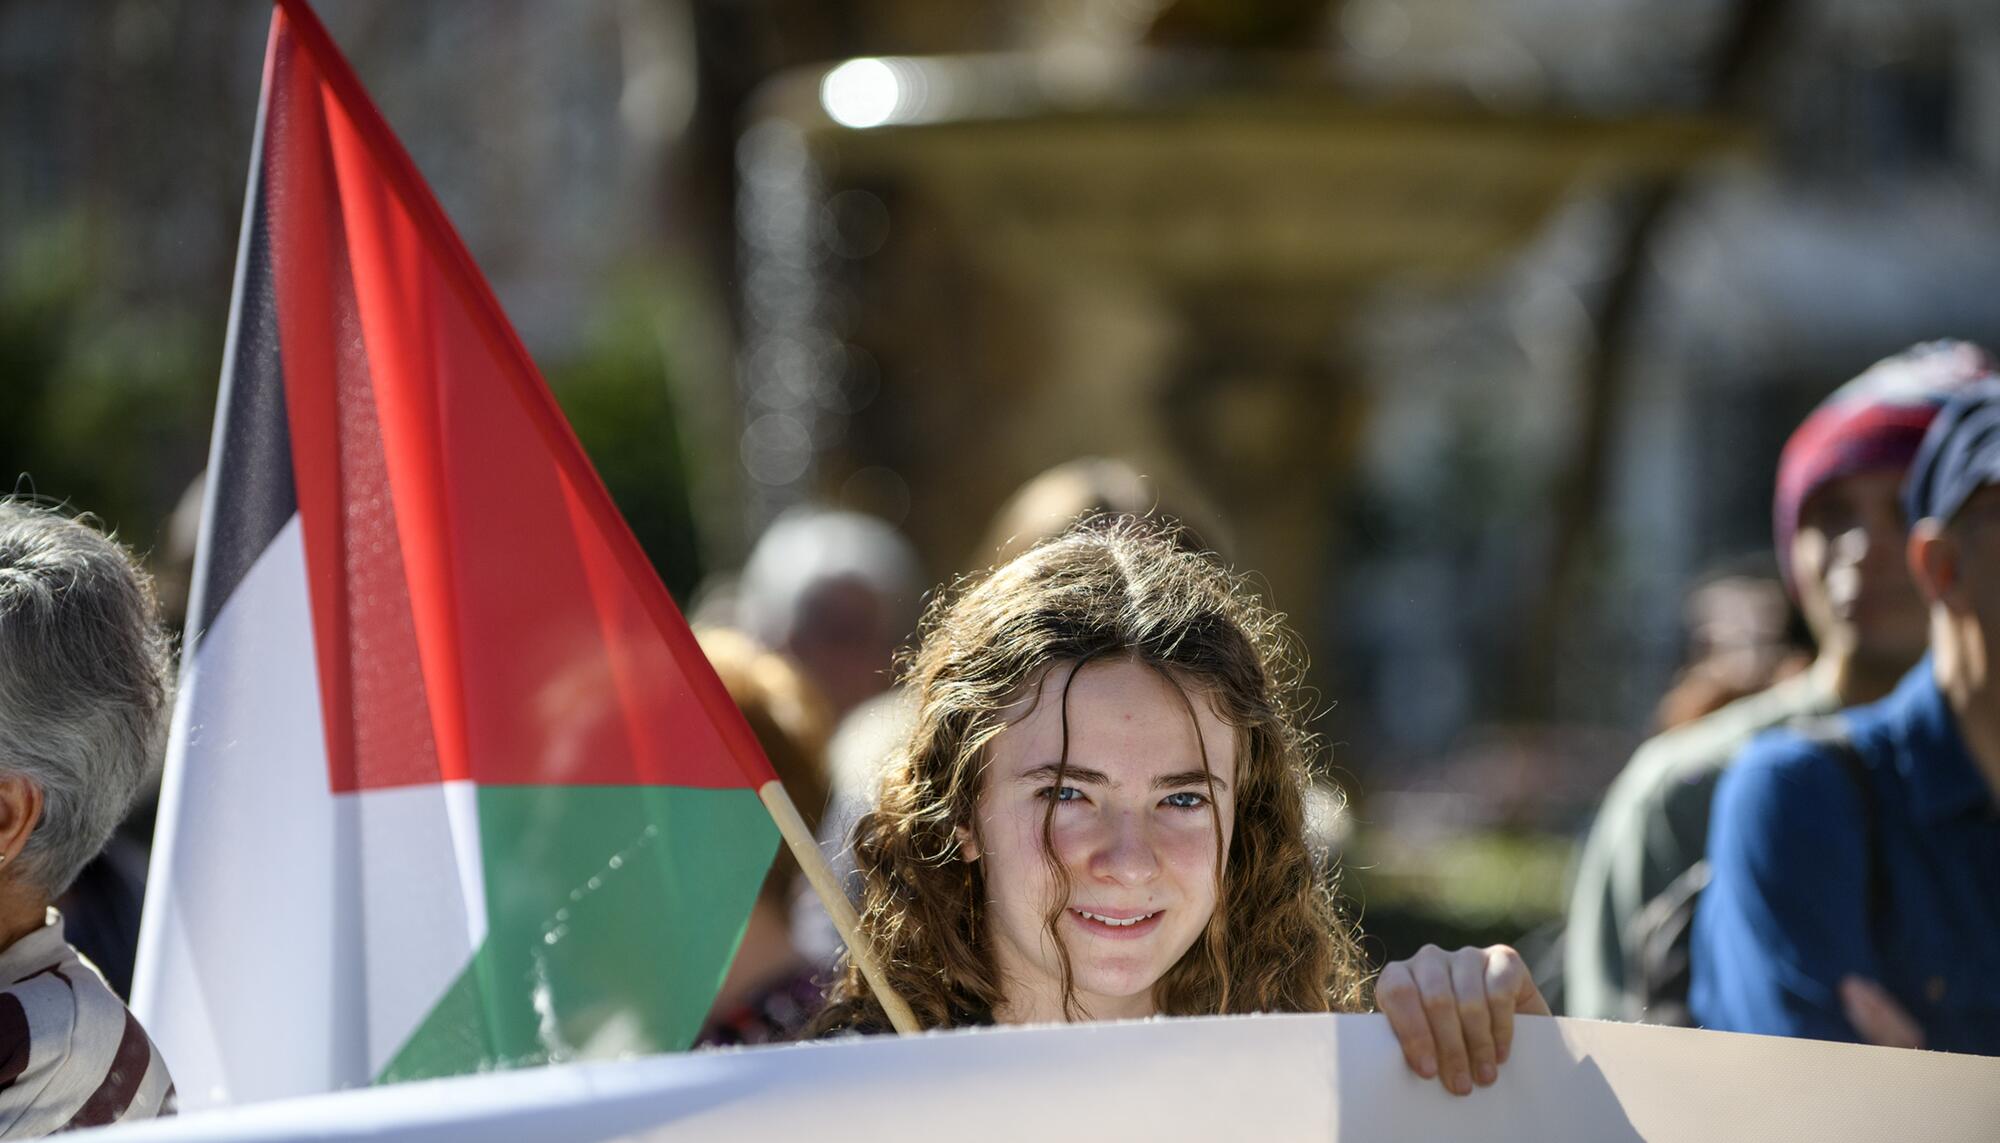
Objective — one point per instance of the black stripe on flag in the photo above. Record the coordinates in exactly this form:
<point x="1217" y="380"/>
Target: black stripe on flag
<point x="250" y="494"/>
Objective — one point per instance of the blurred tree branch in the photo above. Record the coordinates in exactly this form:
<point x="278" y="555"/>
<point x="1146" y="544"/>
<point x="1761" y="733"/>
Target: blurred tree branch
<point x="1741" y="61"/>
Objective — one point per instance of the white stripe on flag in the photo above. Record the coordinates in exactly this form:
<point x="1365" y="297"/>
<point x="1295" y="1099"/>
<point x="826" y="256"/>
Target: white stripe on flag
<point x="461" y="803"/>
<point x="240" y="906"/>
<point x="418" y="934"/>
<point x="292" y="940"/>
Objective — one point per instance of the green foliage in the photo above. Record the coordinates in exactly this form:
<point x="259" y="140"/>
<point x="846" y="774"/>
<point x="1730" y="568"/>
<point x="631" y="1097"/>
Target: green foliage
<point x="107" y="403"/>
<point x="1479" y="877"/>
<point x="617" y="397"/>
<point x="102" y="405"/>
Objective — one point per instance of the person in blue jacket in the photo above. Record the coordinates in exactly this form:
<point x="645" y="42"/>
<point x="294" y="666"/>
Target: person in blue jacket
<point x="1855" y="888"/>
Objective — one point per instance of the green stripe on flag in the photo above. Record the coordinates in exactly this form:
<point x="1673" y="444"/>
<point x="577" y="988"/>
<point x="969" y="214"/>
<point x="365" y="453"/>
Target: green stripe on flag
<point x="613" y="913"/>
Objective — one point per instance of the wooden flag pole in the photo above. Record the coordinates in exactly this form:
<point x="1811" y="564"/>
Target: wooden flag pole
<point x="805" y="847"/>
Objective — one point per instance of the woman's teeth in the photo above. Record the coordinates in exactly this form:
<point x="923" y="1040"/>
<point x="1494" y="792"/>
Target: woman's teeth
<point x="1116" y="922"/>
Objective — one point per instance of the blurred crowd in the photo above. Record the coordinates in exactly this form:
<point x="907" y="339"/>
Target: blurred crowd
<point x="1809" y="846"/>
<point x="1805" y="841"/>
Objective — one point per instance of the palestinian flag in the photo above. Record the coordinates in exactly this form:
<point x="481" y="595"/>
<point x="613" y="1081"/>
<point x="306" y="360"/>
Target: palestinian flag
<point x="450" y="786"/>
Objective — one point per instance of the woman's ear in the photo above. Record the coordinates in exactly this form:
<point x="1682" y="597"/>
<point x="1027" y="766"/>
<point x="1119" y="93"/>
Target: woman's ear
<point x="968" y="843"/>
<point x="20" y="812"/>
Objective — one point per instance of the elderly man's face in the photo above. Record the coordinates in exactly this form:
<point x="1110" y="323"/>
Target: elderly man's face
<point x="1848" y="566"/>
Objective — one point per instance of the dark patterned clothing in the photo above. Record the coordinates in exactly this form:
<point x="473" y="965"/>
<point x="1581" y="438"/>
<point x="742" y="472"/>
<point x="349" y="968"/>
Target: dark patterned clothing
<point x="71" y="1056"/>
<point x="770" y="1015"/>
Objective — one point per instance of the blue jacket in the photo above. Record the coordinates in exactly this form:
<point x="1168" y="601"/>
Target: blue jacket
<point x="1785" y="914"/>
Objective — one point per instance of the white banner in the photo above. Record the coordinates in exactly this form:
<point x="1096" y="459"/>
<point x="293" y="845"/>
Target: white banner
<point x="1271" y="1077"/>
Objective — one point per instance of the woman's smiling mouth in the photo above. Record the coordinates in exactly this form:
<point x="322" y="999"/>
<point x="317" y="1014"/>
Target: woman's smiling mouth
<point x="1115" y="926"/>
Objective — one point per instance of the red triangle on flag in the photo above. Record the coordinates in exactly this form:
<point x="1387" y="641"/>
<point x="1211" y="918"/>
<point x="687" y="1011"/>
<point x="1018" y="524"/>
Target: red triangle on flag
<point x="481" y="611"/>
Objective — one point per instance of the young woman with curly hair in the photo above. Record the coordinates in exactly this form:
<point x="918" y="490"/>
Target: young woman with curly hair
<point x="1100" y="815"/>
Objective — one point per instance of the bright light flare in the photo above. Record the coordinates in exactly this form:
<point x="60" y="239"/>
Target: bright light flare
<point x="861" y="93"/>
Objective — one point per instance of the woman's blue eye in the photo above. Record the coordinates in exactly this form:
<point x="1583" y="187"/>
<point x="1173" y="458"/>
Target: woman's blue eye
<point x="1185" y="800"/>
<point x="1059" y="793"/>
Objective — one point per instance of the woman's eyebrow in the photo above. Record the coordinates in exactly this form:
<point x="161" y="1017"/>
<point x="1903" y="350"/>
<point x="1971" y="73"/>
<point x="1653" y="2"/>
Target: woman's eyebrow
<point x="1189" y="778"/>
<point x="1084" y="774"/>
<point x="1047" y="771"/>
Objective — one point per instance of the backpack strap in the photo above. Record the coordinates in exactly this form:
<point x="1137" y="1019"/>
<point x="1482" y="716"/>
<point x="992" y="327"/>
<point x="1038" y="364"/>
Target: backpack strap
<point x="1658" y="940"/>
<point x="1833" y="733"/>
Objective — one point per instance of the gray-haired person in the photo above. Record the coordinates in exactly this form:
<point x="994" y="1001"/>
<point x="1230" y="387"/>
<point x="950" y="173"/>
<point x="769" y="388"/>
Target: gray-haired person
<point x="84" y="695"/>
<point x="838" y="592"/>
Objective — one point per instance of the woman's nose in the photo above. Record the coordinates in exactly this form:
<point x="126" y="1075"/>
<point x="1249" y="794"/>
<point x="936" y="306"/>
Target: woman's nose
<point x="1125" y="852"/>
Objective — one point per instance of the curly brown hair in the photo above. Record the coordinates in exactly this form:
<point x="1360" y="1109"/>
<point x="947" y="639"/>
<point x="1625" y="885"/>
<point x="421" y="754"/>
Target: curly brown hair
<point x="1107" y="589"/>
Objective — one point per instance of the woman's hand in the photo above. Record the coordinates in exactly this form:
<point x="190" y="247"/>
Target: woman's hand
<point x="1454" y="1012"/>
